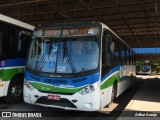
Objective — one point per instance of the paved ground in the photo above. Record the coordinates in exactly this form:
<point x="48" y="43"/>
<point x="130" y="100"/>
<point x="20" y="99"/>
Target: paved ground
<point x="146" y="101"/>
<point x="111" y="112"/>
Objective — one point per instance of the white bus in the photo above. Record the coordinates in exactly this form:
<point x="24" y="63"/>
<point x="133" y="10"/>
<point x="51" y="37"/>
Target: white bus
<point x="145" y="69"/>
<point x="14" y="41"/>
<point x="77" y="66"/>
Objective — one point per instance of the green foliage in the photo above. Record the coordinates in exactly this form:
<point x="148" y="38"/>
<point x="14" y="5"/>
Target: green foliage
<point x="155" y="65"/>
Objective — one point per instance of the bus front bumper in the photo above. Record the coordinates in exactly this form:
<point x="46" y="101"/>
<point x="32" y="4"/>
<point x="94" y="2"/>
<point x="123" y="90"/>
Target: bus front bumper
<point x="88" y="102"/>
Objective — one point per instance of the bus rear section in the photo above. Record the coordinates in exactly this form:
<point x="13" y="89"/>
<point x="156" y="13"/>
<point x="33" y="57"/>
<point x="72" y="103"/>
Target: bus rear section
<point x="14" y="42"/>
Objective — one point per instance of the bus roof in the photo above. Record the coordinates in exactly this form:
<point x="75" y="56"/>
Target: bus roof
<point x="66" y="24"/>
<point x="80" y="24"/>
<point x="16" y="22"/>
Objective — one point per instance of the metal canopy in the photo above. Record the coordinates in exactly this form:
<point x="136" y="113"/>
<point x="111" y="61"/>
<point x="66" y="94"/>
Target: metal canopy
<point x="136" y="21"/>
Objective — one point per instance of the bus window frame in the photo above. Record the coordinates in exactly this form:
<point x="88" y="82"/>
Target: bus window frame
<point x="129" y="57"/>
<point x="3" y="56"/>
<point x="106" y="66"/>
<point x="125" y="54"/>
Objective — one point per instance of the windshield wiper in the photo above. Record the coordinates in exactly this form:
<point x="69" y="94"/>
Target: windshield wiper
<point x="69" y="58"/>
<point x="60" y="38"/>
<point x="39" y="65"/>
<point x="50" y="48"/>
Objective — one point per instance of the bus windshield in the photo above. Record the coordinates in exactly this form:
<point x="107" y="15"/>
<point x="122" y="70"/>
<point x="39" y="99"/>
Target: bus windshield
<point x="145" y="68"/>
<point x="65" y="55"/>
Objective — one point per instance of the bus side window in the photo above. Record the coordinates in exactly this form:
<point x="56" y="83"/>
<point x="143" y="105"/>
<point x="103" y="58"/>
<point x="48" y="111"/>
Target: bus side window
<point x="116" y="53"/>
<point x="134" y="58"/>
<point x="129" y="56"/>
<point x="2" y="41"/>
<point x="106" y="50"/>
<point x="11" y="42"/>
<point x="119" y="53"/>
<point x="106" y="53"/>
<point x="23" y="43"/>
<point x="122" y="59"/>
<point x="125" y="55"/>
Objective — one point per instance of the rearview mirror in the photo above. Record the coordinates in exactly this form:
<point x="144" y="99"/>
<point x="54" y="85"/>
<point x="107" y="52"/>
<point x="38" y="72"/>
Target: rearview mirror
<point x="23" y="35"/>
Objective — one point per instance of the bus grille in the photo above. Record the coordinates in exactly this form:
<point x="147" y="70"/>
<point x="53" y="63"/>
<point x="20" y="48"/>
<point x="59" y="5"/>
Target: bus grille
<point x="55" y="81"/>
<point x="62" y="93"/>
<point x="79" y="80"/>
<point x="62" y="102"/>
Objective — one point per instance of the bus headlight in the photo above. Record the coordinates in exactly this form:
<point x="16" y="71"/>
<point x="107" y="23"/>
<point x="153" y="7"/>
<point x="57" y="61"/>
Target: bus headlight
<point x="28" y="85"/>
<point x="89" y="88"/>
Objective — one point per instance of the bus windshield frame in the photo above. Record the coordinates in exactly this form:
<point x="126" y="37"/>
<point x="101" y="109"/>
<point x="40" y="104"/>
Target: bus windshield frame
<point x="66" y="48"/>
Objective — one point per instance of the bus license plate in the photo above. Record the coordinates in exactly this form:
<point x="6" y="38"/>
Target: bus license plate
<point x="53" y="97"/>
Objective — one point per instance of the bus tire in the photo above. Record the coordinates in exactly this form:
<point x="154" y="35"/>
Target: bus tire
<point x="114" y="92"/>
<point x="15" y="90"/>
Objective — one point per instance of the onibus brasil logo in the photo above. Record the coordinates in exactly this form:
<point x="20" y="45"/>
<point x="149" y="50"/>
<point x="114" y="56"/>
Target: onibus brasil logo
<point x="19" y="114"/>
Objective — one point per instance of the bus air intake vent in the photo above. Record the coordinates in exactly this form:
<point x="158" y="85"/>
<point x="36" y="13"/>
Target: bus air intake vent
<point x="55" y="81"/>
<point x="34" y="77"/>
<point x="79" y="80"/>
<point x="62" y="93"/>
<point x="62" y="102"/>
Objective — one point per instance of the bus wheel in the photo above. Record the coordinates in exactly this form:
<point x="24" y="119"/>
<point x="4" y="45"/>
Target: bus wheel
<point x="114" y="92"/>
<point x="15" y="91"/>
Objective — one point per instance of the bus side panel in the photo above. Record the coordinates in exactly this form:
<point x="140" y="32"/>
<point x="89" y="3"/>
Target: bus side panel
<point x="120" y="74"/>
<point x="8" y="74"/>
<point x="106" y="96"/>
<point x="4" y="88"/>
<point x="12" y="68"/>
<point x="107" y="84"/>
<point x="128" y="73"/>
<point x="11" y="72"/>
<point x="122" y="86"/>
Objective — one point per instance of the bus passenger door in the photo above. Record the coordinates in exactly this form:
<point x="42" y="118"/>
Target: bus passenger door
<point x="106" y="56"/>
<point x="106" y="69"/>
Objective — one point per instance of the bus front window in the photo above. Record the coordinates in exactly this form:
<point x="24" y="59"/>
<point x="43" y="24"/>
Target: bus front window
<point x="68" y="55"/>
<point x="42" y="55"/>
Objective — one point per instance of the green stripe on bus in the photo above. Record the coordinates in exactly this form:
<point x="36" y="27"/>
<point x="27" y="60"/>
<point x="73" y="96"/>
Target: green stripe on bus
<point x="50" y="88"/>
<point x="7" y="74"/>
<point x="109" y="82"/>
